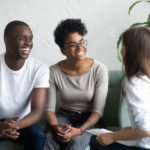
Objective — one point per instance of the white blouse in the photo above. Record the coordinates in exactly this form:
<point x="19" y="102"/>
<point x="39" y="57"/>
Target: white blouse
<point x="137" y="94"/>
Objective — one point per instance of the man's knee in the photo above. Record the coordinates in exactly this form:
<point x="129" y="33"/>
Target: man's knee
<point x="36" y="131"/>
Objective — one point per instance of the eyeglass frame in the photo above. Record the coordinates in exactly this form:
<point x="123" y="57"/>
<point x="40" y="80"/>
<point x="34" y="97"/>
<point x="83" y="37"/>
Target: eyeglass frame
<point x="75" y="45"/>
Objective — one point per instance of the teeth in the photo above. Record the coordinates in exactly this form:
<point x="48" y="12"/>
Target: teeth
<point x="25" y="49"/>
<point x="80" y="53"/>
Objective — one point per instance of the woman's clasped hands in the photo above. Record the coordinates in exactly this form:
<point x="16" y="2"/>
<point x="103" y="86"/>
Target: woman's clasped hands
<point x="64" y="132"/>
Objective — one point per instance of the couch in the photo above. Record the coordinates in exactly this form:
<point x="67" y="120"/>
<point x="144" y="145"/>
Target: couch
<point x="115" y="113"/>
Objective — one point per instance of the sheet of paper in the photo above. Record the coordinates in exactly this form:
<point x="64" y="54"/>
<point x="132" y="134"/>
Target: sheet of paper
<point x="103" y="131"/>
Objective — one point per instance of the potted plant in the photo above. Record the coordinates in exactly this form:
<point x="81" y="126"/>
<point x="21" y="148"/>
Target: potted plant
<point x="146" y="23"/>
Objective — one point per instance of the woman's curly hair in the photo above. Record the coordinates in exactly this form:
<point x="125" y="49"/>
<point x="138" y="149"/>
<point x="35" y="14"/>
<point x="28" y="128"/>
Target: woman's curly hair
<point x="65" y="27"/>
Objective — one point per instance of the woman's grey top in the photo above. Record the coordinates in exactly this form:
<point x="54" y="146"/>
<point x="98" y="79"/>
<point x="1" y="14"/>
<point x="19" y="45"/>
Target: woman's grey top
<point x="78" y="93"/>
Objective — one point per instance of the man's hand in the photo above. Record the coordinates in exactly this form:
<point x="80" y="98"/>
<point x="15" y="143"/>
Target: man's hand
<point x="10" y="134"/>
<point x="8" y="129"/>
<point x="8" y="124"/>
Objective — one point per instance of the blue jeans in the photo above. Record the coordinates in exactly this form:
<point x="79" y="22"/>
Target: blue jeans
<point x="77" y="142"/>
<point x="32" y="137"/>
<point x="94" y="145"/>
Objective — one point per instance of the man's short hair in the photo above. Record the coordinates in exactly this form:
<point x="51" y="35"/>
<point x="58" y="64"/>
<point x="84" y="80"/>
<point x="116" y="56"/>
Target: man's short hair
<point x="11" y="25"/>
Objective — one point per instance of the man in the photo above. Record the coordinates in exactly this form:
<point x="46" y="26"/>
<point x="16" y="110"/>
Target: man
<point x="23" y="83"/>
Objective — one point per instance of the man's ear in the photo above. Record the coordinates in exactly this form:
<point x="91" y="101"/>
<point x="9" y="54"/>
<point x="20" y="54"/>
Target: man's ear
<point x="6" y="39"/>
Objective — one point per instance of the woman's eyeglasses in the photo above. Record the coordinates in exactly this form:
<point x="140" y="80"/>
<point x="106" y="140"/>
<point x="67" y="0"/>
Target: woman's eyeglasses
<point x="74" y="46"/>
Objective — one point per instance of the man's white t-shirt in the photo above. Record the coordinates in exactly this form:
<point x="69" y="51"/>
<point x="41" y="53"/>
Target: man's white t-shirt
<point x="16" y="87"/>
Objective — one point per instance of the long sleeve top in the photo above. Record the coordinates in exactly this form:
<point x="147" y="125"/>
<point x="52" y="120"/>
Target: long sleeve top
<point x="79" y="93"/>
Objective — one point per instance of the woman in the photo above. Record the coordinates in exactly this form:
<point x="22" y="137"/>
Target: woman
<point x="82" y="85"/>
<point x="136" y="90"/>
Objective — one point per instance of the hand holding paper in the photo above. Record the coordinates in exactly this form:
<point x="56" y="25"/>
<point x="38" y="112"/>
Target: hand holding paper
<point x="104" y="131"/>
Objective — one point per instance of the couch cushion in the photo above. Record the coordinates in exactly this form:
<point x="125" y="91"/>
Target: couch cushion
<point x="10" y="145"/>
<point x="111" y="111"/>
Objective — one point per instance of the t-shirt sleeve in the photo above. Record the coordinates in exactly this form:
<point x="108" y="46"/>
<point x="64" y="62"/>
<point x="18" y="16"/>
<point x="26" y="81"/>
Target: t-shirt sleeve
<point x="51" y="94"/>
<point x="42" y="77"/>
<point x="101" y="88"/>
<point x="137" y="97"/>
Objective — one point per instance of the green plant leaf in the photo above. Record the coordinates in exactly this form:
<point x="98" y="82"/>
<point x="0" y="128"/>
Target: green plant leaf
<point x="119" y="57"/>
<point x="148" y="1"/>
<point x="138" y="24"/>
<point x="146" y="24"/>
<point x="130" y="8"/>
<point x="148" y="20"/>
<point x="118" y="46"/>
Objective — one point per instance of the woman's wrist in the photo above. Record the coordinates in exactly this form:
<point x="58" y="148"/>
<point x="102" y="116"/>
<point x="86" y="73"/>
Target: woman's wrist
<point x="54" y="126"/>
<point x="81" y="131"/>
<point x="114" y="136"/>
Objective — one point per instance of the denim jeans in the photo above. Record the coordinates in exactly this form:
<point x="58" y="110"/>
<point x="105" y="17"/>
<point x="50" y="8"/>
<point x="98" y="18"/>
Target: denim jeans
<point x="32" y="137"/>
<point x="77" y="142"/>
<point x="94" y="145"/>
